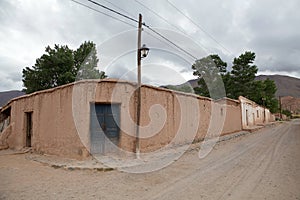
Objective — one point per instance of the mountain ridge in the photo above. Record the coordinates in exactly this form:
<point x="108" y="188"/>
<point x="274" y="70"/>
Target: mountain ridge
<point x="286" y="85"/>
<point x="6" y="96"/>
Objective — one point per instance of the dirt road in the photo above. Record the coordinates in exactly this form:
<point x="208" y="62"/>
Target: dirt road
<point x="260" y="165"/>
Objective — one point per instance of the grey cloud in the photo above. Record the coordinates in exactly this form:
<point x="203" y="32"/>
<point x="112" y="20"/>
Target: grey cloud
<point x="269" y="28"/>
<point x="275" y="34"/>
<point x="9" y="81"/>
<point x="15" y="76"/>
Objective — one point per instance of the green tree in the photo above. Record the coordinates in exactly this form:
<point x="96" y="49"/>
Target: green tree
<point x="85" y="60"/>
<point x="242" y="75"/>
<point x="264" y="94"/>
<point x="52" y="69"/>
<point x="287" y="113"/>
<point x="61" y="65"/>
<point x="210" y="71"/>
<point x="242" y="83"/>
<point x="228" y="84"/>
<point x="239" y="82"/>
<point x="269" y="91"/>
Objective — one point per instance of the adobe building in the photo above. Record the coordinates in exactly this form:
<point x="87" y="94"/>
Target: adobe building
<point x="253" y="114"/>
<point x="98" y="116"/>
<point x="290" y="103"/>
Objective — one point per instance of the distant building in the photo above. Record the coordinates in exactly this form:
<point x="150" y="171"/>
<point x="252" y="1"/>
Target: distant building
<point x="291" y="103"/>
<point x="253" y="114"/>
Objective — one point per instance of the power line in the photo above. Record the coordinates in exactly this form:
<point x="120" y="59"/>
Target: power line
<point x="155" y="13"/>
<point x="103" y="13"/>
<point x="163" y="41"/>
<point x="156" y="37"/>
<point x="145" y="31"/>
<point x="132" y="19"/>
<point x="114" y="11"/>
<point x="118" y="7"/>
<point x="198" y="26"/>
<point x="154" y="31"/>
<point x="165" y="20"/>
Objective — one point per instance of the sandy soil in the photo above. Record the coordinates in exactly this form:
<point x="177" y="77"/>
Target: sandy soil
<point x="260" y="165"/>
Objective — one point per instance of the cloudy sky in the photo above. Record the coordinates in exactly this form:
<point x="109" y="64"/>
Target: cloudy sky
<point x="270" y="28"/>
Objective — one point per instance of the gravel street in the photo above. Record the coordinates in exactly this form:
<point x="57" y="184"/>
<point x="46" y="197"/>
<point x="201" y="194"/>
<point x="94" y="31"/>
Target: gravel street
<point x="260" y="165"/>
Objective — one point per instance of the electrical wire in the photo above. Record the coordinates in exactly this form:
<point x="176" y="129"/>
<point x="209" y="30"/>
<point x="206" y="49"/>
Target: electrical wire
<point x="162" y="36"/>
<point x="159" y="39"/>
<point x="134" y="20"/>
<point x="118" y="7"/>
<point x="84" y="5"/>
<point x="162" y="41"/>
<point x="165" y="20"/>
<point x="202" y="29"/>
<point x="155" y="13"/>
<point x="114" y="11"/>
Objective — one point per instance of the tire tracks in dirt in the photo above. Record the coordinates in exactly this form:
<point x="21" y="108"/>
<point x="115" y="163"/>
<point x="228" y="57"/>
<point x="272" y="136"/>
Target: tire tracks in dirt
<point x="183" y="182"/>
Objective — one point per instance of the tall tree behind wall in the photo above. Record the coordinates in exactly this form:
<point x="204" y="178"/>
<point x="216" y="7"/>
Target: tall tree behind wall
<point x="210" y="71"/>
<point x="240" y="81"/>
<point x="61" y="65"/>
<point x="242" y="75"/>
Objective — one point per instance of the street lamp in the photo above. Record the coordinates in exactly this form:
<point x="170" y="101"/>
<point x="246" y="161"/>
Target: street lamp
<point x="142" y="52"/>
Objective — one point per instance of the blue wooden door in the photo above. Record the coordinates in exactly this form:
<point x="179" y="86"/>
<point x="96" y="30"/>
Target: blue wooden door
<point x="104" y="127"/>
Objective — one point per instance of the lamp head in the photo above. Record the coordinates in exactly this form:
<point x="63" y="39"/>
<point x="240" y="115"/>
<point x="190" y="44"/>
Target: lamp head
<point x="144" y="51"/>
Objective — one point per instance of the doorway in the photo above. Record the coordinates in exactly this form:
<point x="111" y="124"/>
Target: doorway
<point x="104" y="128"/>
<point x="28" y="123"/>
<point x="247" y="120"/>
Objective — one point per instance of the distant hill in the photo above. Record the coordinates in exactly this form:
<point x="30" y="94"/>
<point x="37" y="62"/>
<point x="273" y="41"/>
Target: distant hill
<point x="193" y="82"/>
<point x="286" y="85"/>
<point x="8" y="95"/>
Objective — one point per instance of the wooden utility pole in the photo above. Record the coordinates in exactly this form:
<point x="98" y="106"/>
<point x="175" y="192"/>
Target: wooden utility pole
<point x="280" y="107"/>
<point x="138" y="107"/>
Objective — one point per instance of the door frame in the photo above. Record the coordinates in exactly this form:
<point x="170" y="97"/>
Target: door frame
<point x="28" y="128"/>
<point x="93" y="103"/>
<point x="247" y="118"/>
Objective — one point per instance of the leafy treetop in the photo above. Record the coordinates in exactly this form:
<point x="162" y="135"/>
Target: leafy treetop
<point x="61" y="65"/>
<point x="240" y="81"/>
